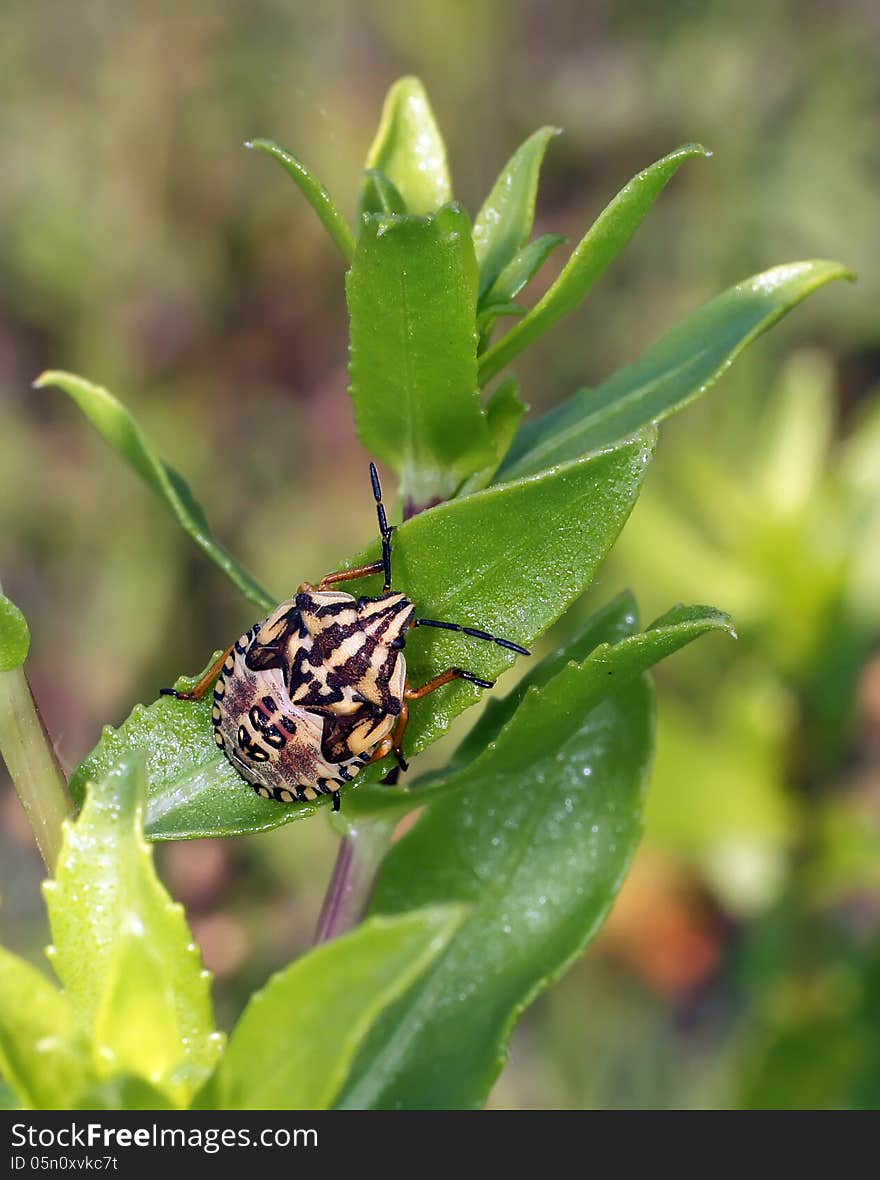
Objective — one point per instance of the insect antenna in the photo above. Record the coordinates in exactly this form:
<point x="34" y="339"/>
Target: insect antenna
<point x="474" y="633"/>
<point x="384" y="527"/>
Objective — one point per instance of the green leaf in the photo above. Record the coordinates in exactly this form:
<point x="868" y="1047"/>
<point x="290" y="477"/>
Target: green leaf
<point x="294" y="1044"/>
<point x="673" y="372"/>
<point x="122" y="948"/>
<point x="491" y="560"/>
<point x="313" y="191"/>
<point x="488" y="560"/>
<point x="379" y="195"/>
<point x="518" y="729"/>
<point x="42" y="1052"/>
<point x="505" y="221"/>
<point x="531" y="722"/>
<point x="409" y="148"/>
<point x="121" y="430"/>
<point x="521" y="269"/>
<point x="15" y="636"/>
<point x="412" y="298"/>
<point x="593" y="255"/>
<point x="538" y="853"/>
<point x="504" y="412"/>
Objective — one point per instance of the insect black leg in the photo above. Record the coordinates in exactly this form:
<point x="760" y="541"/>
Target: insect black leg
<point x="384" y="528"/>
<point x="336" y="801"/>
<point x="415" y="694"/>
<point x="474" y="633"/>
<point x="382" y="566"/>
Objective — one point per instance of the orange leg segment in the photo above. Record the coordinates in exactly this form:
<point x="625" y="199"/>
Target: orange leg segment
<point x="394" y="743"/>
<point x="207" y="681"/>
<point x="361" y="571"/>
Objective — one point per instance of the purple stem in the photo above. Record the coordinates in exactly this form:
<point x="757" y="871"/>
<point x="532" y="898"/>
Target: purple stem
<point x="354" y="875"/>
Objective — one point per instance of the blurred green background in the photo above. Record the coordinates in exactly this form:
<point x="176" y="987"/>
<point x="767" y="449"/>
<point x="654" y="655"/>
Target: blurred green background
<point x="142" y="246"/>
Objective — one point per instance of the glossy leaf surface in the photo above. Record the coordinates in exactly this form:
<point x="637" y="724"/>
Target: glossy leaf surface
<point x="538" y="854"/>
<point x="504" y="223"/>
<point x="682" y="365"/>
<point x="379" y="195"/>
<point x="409" y="148"/>
<point x="122" y="947"/>
<point x="521" y="269"/>
<point x="412" y="299"/>
<point x="42" y="1052"/>
<point x="296" y="1039"/>
<point x="515" y="731"/>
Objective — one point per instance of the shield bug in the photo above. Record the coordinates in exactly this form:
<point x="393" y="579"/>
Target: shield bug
<point x="318" y="689"/>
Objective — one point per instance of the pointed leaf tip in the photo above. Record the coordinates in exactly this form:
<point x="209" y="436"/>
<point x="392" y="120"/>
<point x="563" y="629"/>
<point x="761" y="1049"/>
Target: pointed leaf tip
<point x="124" y="433"/>
<point x="678" y="368"/>
<point x="599" y="247"/>
<point x="505" y="221"/>
<point x="409" y="148"/>
<point x="314" y="192"/>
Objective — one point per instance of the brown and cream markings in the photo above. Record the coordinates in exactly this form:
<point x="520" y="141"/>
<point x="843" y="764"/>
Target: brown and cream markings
<point x="317" y="690"/>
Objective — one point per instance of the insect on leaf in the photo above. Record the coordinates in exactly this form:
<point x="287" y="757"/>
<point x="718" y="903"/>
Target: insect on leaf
<point x="193" y="790"/>
<point x="486" y="560"/>
<point x="513" y="731"/>
<point x="490" y="560"/>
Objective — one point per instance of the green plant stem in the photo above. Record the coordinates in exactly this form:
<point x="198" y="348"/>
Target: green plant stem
<point x="33" y="766"/>
<point x="354" y="875"/>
